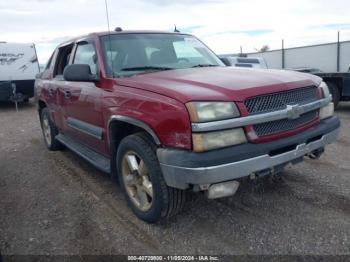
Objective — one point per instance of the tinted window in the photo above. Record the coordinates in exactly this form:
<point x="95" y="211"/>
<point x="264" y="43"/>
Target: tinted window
<point x="226" y="61"/>
<point x="62" y="60"/>
<point x="48" y="64"/>
<point x="85" y="54"/>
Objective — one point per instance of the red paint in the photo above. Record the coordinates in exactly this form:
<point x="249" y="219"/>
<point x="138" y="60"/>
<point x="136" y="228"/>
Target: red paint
<point x="158" y="99"/>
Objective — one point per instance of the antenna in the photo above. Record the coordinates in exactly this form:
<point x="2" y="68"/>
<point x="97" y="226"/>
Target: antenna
<point x="109" y="40"/>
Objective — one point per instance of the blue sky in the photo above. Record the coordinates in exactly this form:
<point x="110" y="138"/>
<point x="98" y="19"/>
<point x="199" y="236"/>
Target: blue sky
<point x="224" y="25"/>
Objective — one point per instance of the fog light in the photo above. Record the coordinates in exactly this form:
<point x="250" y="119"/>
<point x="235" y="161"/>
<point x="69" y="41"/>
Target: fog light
<point x="327" y="111"/>
<point x="224" y="189"/>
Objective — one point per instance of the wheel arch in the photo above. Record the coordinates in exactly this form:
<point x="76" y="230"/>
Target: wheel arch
<point x="121" y="126"/>
<point x="337" y="81"/>
<point x="41" y="106"/>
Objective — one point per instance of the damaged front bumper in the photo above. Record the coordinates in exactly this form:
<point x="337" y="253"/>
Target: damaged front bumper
<point x="183" y="168"/>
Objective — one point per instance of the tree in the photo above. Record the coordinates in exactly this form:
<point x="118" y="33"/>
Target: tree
<point x="264" y="48"/>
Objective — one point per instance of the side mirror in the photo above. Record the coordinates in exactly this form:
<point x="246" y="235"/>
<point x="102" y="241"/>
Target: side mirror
<point x="79" y="73"/>
<point x="225" y="60"/>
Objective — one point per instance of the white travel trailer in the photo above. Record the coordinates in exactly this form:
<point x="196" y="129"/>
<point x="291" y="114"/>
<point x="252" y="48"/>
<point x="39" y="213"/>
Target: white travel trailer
<point x="18" y="67"/>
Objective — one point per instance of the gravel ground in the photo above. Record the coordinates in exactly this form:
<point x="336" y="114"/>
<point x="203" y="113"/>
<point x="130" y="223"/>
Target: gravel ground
<point x="55" y="203"/>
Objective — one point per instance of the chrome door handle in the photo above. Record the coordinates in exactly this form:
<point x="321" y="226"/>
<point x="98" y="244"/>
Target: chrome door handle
<point x="67" y="94"/>
<point x="51" y="92"/>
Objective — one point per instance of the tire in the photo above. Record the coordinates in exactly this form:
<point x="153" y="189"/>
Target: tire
<point x="161" y="201"/>
<point x="333" y="88"/>
<point x="49" y="130"/>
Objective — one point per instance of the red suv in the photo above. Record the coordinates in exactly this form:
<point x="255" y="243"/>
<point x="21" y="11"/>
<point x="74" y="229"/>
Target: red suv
<point x="161" y="113"/>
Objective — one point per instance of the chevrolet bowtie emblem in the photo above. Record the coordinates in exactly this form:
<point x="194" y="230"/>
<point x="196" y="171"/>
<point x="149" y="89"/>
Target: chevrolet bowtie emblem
<point x="294" y="111"/>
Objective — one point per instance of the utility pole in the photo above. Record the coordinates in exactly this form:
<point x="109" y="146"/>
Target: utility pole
<point x="338" y="52"/>
<point x="283" y="59"/>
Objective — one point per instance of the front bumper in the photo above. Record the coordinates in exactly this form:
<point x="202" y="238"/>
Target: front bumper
<point x="182" y="168"/>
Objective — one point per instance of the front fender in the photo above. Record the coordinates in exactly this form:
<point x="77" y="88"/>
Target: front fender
<point x="164" y="118"/>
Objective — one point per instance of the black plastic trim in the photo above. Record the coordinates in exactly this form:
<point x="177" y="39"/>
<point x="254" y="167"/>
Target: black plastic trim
<point x="135" y="122"/>
<point x="96" y="159"/>
<point x="85" y="128"/>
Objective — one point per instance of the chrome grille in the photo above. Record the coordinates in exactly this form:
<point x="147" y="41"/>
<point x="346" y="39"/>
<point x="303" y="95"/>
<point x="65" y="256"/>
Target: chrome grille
<point x="278" y="101"/>
<point x="271" y="128"/>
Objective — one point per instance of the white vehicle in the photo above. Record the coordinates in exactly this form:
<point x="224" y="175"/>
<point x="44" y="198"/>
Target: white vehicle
<point x="238" y="61"/>
<point x="18" y="67"/>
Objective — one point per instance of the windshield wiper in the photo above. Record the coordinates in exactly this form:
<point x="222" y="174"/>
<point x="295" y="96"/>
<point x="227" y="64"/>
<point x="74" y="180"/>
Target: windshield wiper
<point x="141" y="68"/>
<point x="204" y="65"/>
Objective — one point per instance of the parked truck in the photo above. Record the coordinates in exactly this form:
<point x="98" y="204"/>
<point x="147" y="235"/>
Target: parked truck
<point x="18" y="67"/>
<point x="162" y="114"/>
<point x="338" y="84"/>
<point x="243" y="61"/>
<point x="330" y="61"/>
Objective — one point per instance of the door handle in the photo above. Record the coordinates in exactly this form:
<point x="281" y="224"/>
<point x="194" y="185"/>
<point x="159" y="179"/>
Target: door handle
<point x="51" y="92"/>
<point x="67" y="94"/>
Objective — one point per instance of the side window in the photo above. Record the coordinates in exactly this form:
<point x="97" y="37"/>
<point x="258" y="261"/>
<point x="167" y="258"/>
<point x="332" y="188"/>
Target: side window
<point x="86" y="54"/>
<point x="48" y="64"/>
<point x="62" y="60"/>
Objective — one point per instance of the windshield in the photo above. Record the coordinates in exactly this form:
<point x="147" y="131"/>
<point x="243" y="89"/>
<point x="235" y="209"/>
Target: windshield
<point x="130" y="54"/>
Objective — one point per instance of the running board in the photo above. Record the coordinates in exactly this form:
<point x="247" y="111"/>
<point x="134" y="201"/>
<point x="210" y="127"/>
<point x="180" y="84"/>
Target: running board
<point x="97" y="160"/>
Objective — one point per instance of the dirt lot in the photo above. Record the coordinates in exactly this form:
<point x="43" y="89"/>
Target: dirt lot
<point x="55" y="203"/>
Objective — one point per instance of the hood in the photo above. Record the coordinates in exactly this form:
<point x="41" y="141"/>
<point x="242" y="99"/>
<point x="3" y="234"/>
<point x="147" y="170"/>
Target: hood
<point x="219" y="83"/>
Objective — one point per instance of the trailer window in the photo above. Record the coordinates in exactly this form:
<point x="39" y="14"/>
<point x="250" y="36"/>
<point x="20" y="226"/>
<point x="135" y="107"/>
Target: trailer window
<point x="62" y="60"/>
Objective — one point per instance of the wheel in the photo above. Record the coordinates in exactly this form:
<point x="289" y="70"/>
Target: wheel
<point x="141" y="179"/>
<point x="333" y="88"/>
<point x="50" y="131"/>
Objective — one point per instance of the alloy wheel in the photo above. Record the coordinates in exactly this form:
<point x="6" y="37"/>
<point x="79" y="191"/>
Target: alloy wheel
<point x="46" y="130"/>
<point x="137" y="181"/>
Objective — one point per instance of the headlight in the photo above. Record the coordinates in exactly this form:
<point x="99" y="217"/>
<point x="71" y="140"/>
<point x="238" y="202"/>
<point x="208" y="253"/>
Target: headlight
<point x="212" y="140"/>
<point x="328" y="110"/>
<point x="325" y="89"/>
<point x="211" y="111"/>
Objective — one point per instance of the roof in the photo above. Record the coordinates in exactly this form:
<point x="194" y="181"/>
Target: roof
<point x="120" y="33"/>
<point x="137" y="32"/>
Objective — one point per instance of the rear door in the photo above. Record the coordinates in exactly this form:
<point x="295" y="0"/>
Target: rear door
<point x="57" y="83"/>
<point x="44" y="84"/>
<point x="82" y="101"/>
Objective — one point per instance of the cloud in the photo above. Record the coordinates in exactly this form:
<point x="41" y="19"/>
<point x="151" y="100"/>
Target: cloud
<point x="190" y="29"/>
<point x="183" y="2"/>
<point x="255" y="32"/>
<point x="224" y="25"/>
<point x="17" y="12"/>
<point x="337" y="26"/>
